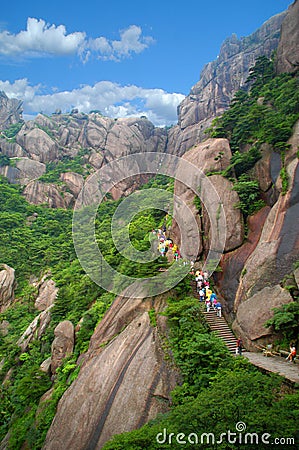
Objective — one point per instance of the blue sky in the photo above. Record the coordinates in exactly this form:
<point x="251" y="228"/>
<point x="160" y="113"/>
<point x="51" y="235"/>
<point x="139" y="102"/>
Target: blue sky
<point x="122" y="58"/>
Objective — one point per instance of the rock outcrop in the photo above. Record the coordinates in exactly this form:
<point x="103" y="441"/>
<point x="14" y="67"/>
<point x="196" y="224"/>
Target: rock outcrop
<point x="254" y="312"/>
<point x="37" y="192"/>
<point x="7" y="286"/>
<point x="10" y="111"/>
<point x="219" y="81"/>
<point x="124" y="381"/>
<point x="212" y="155"/>
<point x="36" y="329"/>
<point x="288" y="51"/>
<point x="47" y="293"/>
<point x="62" y="345"/>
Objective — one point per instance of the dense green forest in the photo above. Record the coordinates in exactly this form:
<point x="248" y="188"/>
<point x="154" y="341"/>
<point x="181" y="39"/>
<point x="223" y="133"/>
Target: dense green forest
<point x="217" y="390"/>
<point x="37" y="240"/>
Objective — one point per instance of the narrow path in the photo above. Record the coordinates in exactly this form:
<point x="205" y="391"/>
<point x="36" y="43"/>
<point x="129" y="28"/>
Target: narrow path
<point x="276" y="364"/>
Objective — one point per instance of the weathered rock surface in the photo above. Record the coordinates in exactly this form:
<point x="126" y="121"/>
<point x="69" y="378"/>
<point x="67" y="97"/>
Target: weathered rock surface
<point x="278" y="245"/>
<point x="47" y="294"/>
<point x="7" y="286"/>
<point x="38" y="144"/>
<point x="37" y="192"/>
<point x="216" y="192"/>
<point x="63" y="344"/>
<point x="10" y="111"/>
<point x="124" y="381"/>
<point x="254" y="312"/>
<point x="29" y="170"/>
<point x="25" y="170"/>
<point x="288" y="51"/>
<point x="219" y="81"/>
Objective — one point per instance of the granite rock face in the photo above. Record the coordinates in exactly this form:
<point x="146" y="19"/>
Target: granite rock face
<point x="288" y="49"/>
<point x="63" y="344"/>
<point x="123" y="383"/>
<point x="7" y="286"/>
<point x="219" y="81"/>
<point x="215" y="192"/>
<point x="10" y="111"/>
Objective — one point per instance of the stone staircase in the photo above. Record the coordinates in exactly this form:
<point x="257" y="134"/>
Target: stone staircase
<point x="219" y="326"/>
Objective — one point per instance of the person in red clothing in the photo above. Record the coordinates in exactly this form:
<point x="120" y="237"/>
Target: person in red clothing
<point x="292" y="355"/>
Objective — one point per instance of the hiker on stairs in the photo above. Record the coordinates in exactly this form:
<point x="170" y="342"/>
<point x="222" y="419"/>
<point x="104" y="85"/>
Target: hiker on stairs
<point x="218" y="309"/>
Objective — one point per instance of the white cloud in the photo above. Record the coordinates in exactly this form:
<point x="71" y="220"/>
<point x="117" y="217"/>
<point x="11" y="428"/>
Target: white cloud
<point x="112" y="99"/>
<point x="41" y="39"/>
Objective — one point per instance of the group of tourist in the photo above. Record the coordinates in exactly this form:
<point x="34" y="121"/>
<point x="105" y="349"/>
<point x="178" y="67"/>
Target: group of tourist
<point x="166" y="244"/>
<point x="205" y="292"/>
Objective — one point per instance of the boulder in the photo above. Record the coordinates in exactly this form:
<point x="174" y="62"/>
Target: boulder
<point x="38" y="144"/>
<point x="287" y="59"/>
<point x="29" y="170"/>
<point x="215" y="192"/>
<point x="228" y="199"/>
<point x="74" y="182"/>
<point x="7" y="286"/>
<point x="11" y="149"/>
<point x="47" y="294"/>
<point x="254" y="312"/>
<point x="62" y="345"/>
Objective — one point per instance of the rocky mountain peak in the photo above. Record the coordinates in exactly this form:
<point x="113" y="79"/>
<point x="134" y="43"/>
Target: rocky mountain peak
<point x="10" y="111"/>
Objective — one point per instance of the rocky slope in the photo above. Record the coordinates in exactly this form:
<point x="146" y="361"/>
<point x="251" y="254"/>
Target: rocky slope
<point x="124" y="380"/>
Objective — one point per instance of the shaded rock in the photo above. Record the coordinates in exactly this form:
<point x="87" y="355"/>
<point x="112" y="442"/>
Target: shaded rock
<point x="11" y="173"/>
<point x="37" y="192"/>
<point x="232" y="263"/>
<point x="74" y="182"/>
<point x="287" y="59"/>
<point x="47" y="294"/>
<point x="121" y="385"/>
<point x="296" y="276"/>
<point x="7" y="286"/>
<point x="10" y="111"/>
<point x="278" y="247"/>
<point x="63" y="344"/>
<point x="234" y="228"/>
<point x="254" y="312"/>
<point x="11" y="149"/>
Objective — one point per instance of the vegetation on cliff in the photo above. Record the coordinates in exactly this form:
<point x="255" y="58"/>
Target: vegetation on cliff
<point x="265" y="113"/>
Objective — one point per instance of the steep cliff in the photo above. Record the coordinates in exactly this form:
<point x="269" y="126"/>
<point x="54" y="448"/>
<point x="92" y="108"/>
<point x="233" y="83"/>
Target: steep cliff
<point x="219" y="81"/>
<point x="288" y="51"/>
